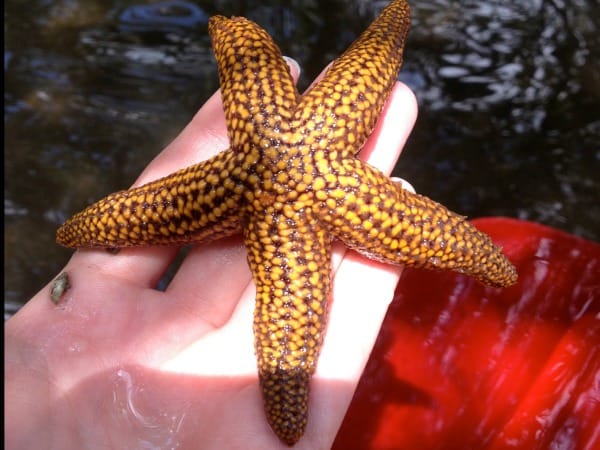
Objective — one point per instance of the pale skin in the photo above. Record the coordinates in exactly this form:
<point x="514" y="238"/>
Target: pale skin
<point x="119" y="364"/>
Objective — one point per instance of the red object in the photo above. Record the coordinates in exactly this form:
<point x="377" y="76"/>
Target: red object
<point x="461" y="366"/>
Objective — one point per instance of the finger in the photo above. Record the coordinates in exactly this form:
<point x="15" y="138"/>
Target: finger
<point x="369" y="285"/>
<point x="203" y="137"/>
<point x="392" y="129"/>
<point x="362" y="289"/>
<point x="385" y="144"/>
<point x="211" y="280"/>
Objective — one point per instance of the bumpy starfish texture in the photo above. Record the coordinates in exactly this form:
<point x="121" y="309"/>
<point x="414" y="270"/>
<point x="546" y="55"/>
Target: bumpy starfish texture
<point x="290" y="182"/>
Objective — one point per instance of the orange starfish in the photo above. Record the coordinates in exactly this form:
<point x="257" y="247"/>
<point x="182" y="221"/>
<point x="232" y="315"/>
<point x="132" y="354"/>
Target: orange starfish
<point x="291" y="182"/>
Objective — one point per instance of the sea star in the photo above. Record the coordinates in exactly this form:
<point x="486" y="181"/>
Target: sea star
<point x="290" y="182"/>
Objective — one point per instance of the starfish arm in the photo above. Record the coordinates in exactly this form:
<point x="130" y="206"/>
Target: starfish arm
<point x="196" y="204"/>
<point x="289" y="255"/>
<point x="258" y="91"/>
<point x="340" y="111"/>
<point x="375" y="216"/>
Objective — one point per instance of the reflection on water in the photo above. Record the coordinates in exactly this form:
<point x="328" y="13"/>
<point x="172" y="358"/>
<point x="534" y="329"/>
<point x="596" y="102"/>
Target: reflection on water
<point x="508" y="91"/>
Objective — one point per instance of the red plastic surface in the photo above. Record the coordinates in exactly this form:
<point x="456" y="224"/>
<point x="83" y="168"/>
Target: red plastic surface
<point x="461" y="366"/>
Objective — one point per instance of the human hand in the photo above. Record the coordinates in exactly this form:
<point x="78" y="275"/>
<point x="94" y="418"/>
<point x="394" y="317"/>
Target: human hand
<point x="119" y="364"/>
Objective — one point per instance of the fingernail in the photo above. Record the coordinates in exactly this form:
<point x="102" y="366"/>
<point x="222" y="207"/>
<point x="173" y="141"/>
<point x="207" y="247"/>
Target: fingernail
<point x="294" y="66"/>
<point x="405" y="184"/>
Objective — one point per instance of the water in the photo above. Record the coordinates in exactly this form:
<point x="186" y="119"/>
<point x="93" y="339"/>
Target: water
<point x="509" y="96"/>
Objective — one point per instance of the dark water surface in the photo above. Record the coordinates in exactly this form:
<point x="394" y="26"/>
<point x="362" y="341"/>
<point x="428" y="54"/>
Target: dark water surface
<point x="509" y="96"/>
